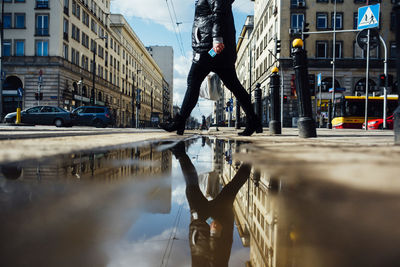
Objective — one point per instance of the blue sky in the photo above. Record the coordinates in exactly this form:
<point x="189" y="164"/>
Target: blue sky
<point x="151" y="21"/>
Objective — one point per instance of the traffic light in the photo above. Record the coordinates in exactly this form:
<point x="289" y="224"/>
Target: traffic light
<point x="285" y="99"/>
<point x="39" y="96"/>
<point x="382" y="80"/>
<point x="305" y="29"/>
<point x="277" y="46"/>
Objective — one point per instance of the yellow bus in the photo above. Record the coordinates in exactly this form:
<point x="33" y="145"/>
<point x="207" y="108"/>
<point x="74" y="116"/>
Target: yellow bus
<point x="349" y="111"/>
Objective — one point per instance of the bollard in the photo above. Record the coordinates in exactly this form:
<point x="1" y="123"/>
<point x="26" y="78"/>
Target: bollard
<point x="396" y="117"/>
<point x="257" y="98"/>
<point x="237" y="123"/>
<point x="274" y="85"/>
<point x="329" y="124"/>
<point x="306" y="123"/>
<point x="18" y="117"/>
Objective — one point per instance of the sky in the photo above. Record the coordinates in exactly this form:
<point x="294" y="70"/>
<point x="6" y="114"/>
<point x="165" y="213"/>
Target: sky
<point x="155" y="23"/>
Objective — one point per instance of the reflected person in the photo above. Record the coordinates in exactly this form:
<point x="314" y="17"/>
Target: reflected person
<point x="210" y="243"/>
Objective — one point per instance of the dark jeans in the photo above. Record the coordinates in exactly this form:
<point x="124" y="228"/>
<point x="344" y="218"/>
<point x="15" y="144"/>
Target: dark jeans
<point x="227" y="73"/>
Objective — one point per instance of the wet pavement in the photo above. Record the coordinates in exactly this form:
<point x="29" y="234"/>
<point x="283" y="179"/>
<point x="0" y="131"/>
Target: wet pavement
<point x="201" y="202"/>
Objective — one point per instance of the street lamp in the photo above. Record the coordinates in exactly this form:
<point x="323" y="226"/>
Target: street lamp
<point x="93" y="99"/>
<point x="137" y="99"/>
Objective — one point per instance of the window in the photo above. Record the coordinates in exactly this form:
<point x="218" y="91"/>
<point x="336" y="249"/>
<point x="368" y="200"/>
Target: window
<point x="76" y="9"/>
<point x="360" y="53"/>
<point x="322" y="20"/>
<point x="42" y="25"/>
<point x="339" y="20"/>
<point x="19" y="21"/>
<point x="321" y="49"/>
<point x="75" y="33"/>
<point x="65" y="29"/>
<point x="65" y="51"/>
<point x="392" y="21"/>
<point x="338" y="49"/>
<point x="393" y="49"/>
<point x="42" y="4"/>
<point x="85" y="18"/>
<point x="7" y="48"/>
<point x="42" y="48"/>
<point x="66" y="7"/>
<point x="322" y="1"/>
<point x="19" y="48"/>
<point x="7" y="21"/>
<point x="355" y="20"/>
<point x="296" y="20"/>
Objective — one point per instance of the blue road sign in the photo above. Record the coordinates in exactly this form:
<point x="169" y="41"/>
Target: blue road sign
<point x="20" y="92"/>
<point x="368" y="17"/>
<point x="319" y="79"/>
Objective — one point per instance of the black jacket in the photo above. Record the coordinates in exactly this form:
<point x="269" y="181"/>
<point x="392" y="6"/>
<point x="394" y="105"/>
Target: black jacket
<point x="213" y="19"/>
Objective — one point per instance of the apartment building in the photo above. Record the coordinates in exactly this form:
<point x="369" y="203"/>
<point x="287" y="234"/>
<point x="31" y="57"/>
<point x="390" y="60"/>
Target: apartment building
<point x="281" y="21"/>
<point x="71" y="53"/>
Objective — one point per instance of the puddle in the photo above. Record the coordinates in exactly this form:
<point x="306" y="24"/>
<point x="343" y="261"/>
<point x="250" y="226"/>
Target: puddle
<point x="185" y="204"/>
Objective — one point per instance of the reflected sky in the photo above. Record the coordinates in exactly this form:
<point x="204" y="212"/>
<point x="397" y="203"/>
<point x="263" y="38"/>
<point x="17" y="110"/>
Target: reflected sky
<point x="122" y="207"/>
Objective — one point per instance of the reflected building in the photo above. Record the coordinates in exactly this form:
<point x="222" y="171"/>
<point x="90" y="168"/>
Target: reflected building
<point x="111" y="167"/>
<point x="256" y="213"/>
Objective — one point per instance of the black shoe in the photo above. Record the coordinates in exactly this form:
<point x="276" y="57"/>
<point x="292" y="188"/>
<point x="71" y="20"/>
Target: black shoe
<point x="250" y="129"/>
<point x="177" y="124"/>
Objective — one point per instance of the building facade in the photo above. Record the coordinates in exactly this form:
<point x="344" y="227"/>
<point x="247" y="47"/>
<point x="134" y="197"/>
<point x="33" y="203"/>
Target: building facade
<point x="278" y="23"/>
<point x="71" y="53"/>
<point x="164" y="57"/>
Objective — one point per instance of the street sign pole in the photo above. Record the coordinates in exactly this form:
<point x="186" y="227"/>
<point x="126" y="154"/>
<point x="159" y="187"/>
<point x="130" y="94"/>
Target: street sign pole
<point x="366" y="83"/>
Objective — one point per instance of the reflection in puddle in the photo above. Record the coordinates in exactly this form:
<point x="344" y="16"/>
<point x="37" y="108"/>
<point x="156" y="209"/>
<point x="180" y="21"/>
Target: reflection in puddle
<point x="170" y="204"/>
<point x="120" y="207"/>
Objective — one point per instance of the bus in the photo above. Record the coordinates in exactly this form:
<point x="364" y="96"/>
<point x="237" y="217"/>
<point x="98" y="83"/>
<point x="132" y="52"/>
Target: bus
<point x="349" y="111"/>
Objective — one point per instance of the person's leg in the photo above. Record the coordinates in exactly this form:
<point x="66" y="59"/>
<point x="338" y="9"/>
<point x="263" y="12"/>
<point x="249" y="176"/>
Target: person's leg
<point x="197" y="73"/>
<point x="231" y="81"/>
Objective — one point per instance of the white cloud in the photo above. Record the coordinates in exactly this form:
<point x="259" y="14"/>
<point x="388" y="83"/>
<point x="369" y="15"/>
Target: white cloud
<point x="155" y="10"/>
<point x="243" y="6"/>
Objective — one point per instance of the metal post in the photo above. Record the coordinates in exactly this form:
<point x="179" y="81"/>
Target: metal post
<point x="275" y="126"/>
<point x="282" y="94"/>
<point x="93" y="100"/>
<point x="396" y="126"/>
<point x="333" y="65"/>
<point x="329" y="124"/>
<point x="257" y="99"/>
<point x="385" y="69"/>
<point x="366" y="81"/>
<point x="133" y="105"/>
<point x="1" y="60"/>
<point x="306" y="123"/>
<point x="237" y="123"/>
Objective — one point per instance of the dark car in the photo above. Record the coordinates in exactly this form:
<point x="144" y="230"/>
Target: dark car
<point x="42" y="115"/>
<point x="92" y="116"/>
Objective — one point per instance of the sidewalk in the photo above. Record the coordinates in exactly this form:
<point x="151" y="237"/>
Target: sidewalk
<point x="356" y="158"/>
<point x="366" y="160"/>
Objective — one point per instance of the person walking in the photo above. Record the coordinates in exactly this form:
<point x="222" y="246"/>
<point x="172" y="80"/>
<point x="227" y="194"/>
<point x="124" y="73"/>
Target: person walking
<point x="214" y="49"/>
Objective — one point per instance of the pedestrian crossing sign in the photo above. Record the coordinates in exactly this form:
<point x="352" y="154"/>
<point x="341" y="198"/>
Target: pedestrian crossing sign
<point x="368" y="17"/>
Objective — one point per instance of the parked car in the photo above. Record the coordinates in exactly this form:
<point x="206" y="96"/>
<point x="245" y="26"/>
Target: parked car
<point x="92" y="116"/>
<point x="378" y="123"/>
<point x="42" y="115"/>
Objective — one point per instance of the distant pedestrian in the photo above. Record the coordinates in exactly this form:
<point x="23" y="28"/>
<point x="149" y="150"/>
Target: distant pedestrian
<point x="214" y="28"/>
